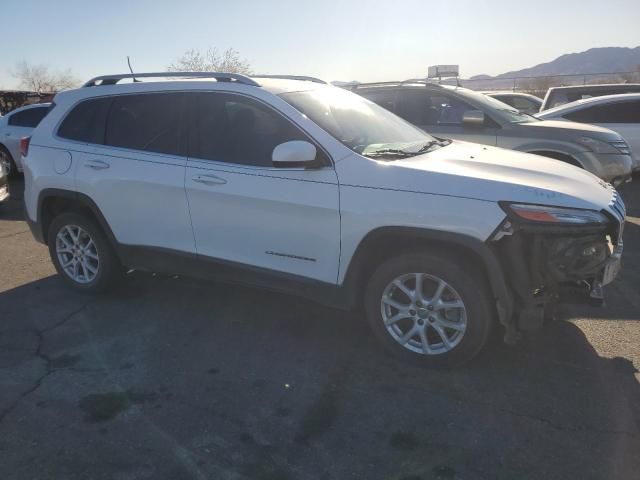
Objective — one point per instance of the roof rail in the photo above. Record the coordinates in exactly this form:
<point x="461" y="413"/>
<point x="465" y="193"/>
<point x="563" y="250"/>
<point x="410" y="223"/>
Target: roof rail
<point x="219" y="76"/>
<point x="292" y="77"/>
<point x="397" y="82"/>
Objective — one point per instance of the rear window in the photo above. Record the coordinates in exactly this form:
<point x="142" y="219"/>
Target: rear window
<point x="148" y="122"/>
<point x="29" y="118"/>
<point x="85" y="122"/>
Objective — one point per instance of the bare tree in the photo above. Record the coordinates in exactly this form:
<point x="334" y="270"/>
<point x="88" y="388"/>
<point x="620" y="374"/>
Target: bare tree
<point x="39" y="78"/>
<point x="212" y="60"/>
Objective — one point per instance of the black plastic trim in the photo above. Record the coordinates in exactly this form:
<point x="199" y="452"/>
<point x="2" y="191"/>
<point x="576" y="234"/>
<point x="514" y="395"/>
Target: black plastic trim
<point x="164" y="260"/>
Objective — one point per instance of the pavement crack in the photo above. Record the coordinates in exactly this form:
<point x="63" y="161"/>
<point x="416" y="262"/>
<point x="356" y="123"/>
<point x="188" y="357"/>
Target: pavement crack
<point x="14" y="234"/>
<point x="49" y="368"/>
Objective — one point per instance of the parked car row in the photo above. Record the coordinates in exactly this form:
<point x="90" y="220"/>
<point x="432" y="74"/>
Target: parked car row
<point x="463" y="114"/>
<point x="15" y="125"/>
<point x="298" y="186"/>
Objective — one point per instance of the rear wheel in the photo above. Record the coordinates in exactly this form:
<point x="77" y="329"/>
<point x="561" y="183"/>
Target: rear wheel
<point x="81" y="252"/>
<point x="428" y="310"/>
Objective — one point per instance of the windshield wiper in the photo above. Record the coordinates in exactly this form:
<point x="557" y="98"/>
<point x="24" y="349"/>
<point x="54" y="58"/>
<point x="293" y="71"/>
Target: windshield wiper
<point x="390" y="152"/>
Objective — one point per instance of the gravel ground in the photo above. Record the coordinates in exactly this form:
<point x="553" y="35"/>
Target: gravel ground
<point x="169" y="378"/>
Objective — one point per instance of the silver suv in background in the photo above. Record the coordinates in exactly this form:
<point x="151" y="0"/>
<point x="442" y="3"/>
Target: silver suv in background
<point x="462" y="114"/>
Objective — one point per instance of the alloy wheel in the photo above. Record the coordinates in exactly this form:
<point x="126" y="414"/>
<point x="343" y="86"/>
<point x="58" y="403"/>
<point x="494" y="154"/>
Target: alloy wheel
<point x="77" y="254"/>
<point x="423" y="313"/>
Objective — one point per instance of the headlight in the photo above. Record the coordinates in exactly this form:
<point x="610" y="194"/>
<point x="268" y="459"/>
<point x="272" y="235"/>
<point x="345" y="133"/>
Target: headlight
<point x="557" y="215"/>
<point x="598" y="146"/>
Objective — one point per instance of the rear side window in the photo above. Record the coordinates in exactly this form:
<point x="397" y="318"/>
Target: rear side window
<point x="29" y="118"/>
<point x="236" y="129"/>
<point x="85" y="122"/>
<point x="148" y="122"/>
<point x="620" y="112"/>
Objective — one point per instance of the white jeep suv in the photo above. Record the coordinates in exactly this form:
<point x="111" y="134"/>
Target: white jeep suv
<point x="298" y="186"/>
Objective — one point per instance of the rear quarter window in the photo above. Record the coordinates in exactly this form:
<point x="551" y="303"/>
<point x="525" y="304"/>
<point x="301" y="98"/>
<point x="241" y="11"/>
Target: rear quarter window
<point x="86" y="121"/>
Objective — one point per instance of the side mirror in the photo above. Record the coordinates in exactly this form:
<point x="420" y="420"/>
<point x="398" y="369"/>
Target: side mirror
<point x="473" y="118"/>
<point x="296" y="153"/>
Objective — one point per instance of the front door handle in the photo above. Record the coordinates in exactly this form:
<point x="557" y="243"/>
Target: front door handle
<point x="96" y="164"/>
<point x="209" y="180"/>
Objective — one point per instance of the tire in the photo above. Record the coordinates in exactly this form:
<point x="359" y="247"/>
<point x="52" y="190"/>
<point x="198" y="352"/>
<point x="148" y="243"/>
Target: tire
<point x="6" y="157"/>
<point x="466" y="328"/>
<point x="99" y="262"/>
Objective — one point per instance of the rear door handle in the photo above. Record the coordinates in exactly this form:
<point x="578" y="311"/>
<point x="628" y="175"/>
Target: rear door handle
<point x="96" y="164"/>
<point x="209" y="180"/>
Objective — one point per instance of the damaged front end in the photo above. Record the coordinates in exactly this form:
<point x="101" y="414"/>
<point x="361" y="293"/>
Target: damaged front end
<point x="554" y="254"/>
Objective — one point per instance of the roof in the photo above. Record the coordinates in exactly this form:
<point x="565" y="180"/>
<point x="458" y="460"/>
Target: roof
<point x="584" y="102"/>
<point x="600" y="86"/>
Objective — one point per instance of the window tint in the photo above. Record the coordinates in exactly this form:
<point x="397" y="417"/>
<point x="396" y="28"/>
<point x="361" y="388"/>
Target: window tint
<point x="149" y="122"/>
<point x="384" y="98"/>
<point x="232" y="128"/>
<point x="620" y="112"/>
<point x="85" y="123"/>
<point x="424" y="108"/>
<point x="28" y="118"/>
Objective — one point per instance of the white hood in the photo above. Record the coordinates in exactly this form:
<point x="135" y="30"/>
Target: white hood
<point x="476" y="171"/>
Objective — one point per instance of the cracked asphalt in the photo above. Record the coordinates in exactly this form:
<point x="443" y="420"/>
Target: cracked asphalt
<point x="170" y="378"/>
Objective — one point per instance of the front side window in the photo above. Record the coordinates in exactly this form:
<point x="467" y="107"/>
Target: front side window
<point x="236" y="129"/>
<point x="432" y="108"/>
<point x="148" y="122"/>
<point x="29" y="118"/>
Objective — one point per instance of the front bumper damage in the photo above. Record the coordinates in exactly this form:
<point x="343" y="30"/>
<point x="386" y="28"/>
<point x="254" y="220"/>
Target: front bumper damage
<point x="549" y="264"/>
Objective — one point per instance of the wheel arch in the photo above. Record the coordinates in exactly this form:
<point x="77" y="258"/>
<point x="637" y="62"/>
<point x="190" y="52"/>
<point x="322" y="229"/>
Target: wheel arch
<point x="53" y="201"/>
<point x="374" y="248"/>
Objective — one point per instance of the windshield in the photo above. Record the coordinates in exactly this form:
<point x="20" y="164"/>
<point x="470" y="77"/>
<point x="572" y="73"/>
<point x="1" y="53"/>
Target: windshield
<point x="504" y="112"/>
<point x="360" y="124"/>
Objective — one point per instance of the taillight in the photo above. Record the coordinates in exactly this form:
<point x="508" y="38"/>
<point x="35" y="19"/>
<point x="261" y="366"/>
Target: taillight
<point x="24" y="146"/>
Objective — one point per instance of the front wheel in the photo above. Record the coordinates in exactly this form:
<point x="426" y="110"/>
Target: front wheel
<point x="427" y="309"/>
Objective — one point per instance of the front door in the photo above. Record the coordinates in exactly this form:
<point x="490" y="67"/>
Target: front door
<point x="244" y="210"/>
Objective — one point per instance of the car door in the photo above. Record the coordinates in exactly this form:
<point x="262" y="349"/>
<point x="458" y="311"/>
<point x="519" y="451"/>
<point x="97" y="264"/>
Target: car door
<point x="21" y="124"/>
<point x="134" y="171"/>
<point x="246" y="211"/>
<point x="441" y="114"/>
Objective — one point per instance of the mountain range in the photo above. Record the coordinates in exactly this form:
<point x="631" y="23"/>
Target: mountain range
<point x="593" y="61"/>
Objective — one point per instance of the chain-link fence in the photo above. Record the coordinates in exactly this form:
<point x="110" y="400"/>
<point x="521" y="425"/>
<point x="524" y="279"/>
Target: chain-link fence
<point x="539" y="85"/>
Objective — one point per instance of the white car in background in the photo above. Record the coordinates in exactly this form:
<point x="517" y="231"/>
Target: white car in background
<point x="620" y="113"/>
<point x="523" y="102"/>
<point x="15" y="125"/>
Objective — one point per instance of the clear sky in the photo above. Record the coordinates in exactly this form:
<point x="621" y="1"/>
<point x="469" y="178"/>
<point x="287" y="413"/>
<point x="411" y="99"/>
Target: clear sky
<point x="335" y="40"/>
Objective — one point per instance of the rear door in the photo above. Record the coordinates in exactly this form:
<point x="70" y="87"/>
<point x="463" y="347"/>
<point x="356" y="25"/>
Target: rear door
<point x="246" y="211"/>
<point x="441" y="114"/>
<point x="21" y="124"/>
<point x="134" y="171"/>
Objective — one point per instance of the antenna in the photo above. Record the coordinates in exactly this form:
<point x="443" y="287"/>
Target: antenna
<point x="131" y="70"/>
